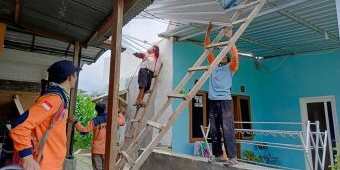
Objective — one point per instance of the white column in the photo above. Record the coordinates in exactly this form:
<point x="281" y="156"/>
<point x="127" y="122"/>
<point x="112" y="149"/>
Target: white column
<point x="337" y="4"/>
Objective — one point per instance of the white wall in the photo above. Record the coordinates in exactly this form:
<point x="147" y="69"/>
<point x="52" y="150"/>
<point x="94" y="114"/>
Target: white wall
<point x="165" y="85"/>
<point x="24" y="66"/>
<point x="160" y="95"/>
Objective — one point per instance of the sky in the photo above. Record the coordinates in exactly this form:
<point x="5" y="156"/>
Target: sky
<point x="92" y="78"/>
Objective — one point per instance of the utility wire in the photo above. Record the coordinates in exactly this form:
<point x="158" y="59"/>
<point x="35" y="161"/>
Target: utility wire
<point x="136" y="43"/>
<point x="143" y="41"/>
<point x="160" y="19"/>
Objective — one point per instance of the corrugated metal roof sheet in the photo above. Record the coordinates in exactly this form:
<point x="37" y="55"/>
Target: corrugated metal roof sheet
<point x="37" y="44"/>
<point x="282" y="27"/>
<point x="64" y="20"/>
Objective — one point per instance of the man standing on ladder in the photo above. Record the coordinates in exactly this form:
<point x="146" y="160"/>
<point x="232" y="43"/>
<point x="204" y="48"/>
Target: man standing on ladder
<point x="145" y="73"/>
<point x="220" y="113"/>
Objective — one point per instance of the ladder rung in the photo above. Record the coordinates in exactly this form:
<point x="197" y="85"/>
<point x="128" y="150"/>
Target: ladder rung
<point x="154" y="124"/>
<point x="128" y="158"/>
<point x="129" y="136"/>
<point x="217" y="44"/>
<point x="134" y="120"/>
<point x="248" y="5"/>
<point x="240" y="21"/>
<point x="198" y="68"/>
<point x="174" y="95"/>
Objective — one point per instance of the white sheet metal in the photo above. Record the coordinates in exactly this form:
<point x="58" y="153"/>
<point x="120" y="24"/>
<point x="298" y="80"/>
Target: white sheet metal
<point x="295" y="26"/>
<point x="198" y="11"/>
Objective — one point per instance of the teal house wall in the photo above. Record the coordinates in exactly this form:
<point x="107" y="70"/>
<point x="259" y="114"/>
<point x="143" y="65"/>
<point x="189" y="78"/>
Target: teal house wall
<point x="275" y="87"/>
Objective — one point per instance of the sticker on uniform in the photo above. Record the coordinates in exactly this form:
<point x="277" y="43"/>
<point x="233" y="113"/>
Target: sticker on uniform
<point x="47" y="105"/>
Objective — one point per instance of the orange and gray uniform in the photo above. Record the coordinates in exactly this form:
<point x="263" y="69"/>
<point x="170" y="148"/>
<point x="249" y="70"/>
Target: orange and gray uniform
<point x="98" y="126"/>
<point x="31" y="126"/>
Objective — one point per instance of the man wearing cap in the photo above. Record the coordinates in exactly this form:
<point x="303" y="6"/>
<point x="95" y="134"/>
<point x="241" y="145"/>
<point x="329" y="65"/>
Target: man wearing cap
<point x="31" y="126"/>
<point x="98" y="126"/>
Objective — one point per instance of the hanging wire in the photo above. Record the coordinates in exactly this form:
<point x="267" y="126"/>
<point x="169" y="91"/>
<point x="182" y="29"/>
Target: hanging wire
<point x="161" y="21"/>
<point x="133" y="75"/>
<point x="175" y="23"/>
<point x="274" y="68"/>
<point x="143" y="41"/>
<point x="156" y="18"/>
<point x="136" y="43"/>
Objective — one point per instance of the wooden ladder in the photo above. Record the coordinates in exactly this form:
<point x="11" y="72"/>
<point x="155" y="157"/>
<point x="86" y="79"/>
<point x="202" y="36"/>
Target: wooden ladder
<point x="134" y="125"/>
<point x="253" y="8"/>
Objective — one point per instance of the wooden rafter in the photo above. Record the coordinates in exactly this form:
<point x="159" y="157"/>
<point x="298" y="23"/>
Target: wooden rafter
<point x="17" y="10"/>
<point x="2" y="35"/>
<point x="98" y="36"/>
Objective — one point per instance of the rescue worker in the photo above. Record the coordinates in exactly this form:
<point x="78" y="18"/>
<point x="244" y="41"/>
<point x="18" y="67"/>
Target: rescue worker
<point x="98" y="126"/>
<point x="29" y="129"/>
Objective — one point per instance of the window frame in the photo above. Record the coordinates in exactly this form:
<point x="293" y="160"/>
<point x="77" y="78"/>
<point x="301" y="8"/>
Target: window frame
<point x="205" y="116"/>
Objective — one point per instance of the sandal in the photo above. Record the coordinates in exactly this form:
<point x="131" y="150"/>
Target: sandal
<point x="229" y="162"/>
<point x="139" y="104"/>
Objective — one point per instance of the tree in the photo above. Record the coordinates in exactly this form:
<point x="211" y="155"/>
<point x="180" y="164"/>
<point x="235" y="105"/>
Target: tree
<point x="84" y="112"/>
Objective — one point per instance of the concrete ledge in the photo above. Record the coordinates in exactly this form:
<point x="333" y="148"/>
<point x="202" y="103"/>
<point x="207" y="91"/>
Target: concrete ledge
<point x="83" y="151"/>
<point x="161" y="160"/>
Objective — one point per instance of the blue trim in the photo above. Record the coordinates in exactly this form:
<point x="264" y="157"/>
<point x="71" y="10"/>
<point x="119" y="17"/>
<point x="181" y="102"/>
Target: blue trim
<point x="25" y="152"/>
<point x="20" y="119"/>
<point x="99" y="120"/>
<point x="57" y="90"/>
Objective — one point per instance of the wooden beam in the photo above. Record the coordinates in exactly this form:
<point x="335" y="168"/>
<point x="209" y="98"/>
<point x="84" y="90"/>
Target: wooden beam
<point x="111" y="129"/>
<point x="2" y="36"/>
<point x="17" y="10"/>
<point x="105" y="27"/>
<point x="72" y="108"/>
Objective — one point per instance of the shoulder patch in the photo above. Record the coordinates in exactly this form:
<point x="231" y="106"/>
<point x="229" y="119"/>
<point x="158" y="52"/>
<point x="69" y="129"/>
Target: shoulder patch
<point x="47" y="105"/>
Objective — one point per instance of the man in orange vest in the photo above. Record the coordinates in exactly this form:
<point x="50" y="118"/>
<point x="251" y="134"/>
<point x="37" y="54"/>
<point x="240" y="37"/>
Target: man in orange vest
<point x="98" y="126"/>
<point x="47" y="116"/>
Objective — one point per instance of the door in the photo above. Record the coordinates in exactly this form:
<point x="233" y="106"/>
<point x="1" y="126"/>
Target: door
<point x="322" y="109"/>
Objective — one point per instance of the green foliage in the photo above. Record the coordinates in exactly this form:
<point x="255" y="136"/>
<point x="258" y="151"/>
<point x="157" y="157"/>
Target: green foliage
<point x="336" y="165"/>
<point x="84" y="112"/>
<point x="251" y="156"/>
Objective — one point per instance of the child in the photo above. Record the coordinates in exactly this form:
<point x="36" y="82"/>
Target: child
<point x="145" y="73"/>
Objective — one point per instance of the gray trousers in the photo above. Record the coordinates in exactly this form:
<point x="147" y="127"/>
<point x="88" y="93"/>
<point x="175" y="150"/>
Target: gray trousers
<point x="98" y="161"/>
<point x="220" y="115"/>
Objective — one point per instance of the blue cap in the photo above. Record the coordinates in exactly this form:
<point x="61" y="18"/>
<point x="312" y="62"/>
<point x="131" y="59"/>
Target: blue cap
<point x="60" y="70"/>
<point x="100" y="107"/>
